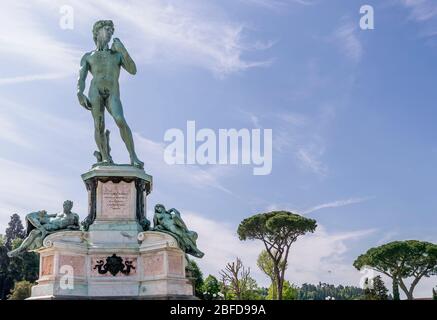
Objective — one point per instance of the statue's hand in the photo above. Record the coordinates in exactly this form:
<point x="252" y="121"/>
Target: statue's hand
<point x="117" y="45"/>
<point x="84" y="101"/>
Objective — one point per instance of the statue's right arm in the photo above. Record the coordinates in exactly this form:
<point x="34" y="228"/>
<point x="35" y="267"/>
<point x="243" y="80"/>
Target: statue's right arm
<point x="83" y="72"/>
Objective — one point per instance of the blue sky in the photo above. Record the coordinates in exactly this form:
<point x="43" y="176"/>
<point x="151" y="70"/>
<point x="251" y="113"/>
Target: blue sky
<point x="352" y="114"/>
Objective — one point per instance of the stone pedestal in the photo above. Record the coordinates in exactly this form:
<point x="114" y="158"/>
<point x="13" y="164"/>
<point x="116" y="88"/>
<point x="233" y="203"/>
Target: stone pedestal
<point x="163" y="266"/>
<point x="114" y="257"/>
<point x="63" y="266"/>
<point x="116" y="196"/>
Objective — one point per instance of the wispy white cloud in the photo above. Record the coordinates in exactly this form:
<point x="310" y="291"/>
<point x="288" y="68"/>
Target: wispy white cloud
<point x="193" y="175"/>
<point x="32" y="77"/>
<point x="189" y="32"/>
<point x="11" y="132"/>
<point x="303" y="136"/>
<point x="322" y="256"/>
<point x="21" y="125"/>
<point x="25" y="188"/>
<point x="336" y="204"/>
<point x="346" y="38"/>
<point x="27" y="185"/>
<point x="300" y="135"/>
<point x="421" y="10"/>
<point x="251" y="117"/>
<point x="309" y="158"/>
<point x="388" y="236"/>
<point x="27" y="40"/>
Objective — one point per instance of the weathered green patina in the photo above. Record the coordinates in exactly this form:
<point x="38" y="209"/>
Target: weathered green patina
<point x="104" y="64"/>
<point x="40" y="224"/>
<point x="171" y="222"/>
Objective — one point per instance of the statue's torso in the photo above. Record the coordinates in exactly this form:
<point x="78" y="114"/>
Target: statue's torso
<point x="61" y="221"/>
<point x="105" y="68"/>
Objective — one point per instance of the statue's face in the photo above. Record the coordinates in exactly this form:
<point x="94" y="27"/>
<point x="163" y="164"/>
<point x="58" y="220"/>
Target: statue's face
<point x="159" y="208"/>
<point x="68" y="205"/>
<point x="104" y="35"/>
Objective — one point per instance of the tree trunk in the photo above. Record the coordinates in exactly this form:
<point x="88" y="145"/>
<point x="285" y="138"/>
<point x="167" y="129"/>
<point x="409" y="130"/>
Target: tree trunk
<point x="395" y="289"/>
<point x="281" y="273"/>
<point x="280" y="285"/>
<point x="413" y="285"/>
<point x="405" y="290"/>
<point x="278" y="279"/>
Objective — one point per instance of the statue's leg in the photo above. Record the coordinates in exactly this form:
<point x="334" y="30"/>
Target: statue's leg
<point x="99" y="124"/>
<point x="27" y="243"/>
<point x="116" y="110"/>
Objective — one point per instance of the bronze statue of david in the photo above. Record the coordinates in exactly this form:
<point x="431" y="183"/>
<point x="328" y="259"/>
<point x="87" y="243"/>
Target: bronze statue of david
<point x="104" y="64"/>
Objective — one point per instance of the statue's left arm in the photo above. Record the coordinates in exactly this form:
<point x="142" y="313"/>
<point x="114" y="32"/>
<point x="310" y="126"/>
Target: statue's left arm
<point x="177" y="219"/>
<point x="126" y="61"/>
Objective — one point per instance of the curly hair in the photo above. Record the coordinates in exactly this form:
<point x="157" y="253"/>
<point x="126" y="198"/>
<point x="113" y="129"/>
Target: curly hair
<point x="100" y="24"/>
<point x="68" y="202"/>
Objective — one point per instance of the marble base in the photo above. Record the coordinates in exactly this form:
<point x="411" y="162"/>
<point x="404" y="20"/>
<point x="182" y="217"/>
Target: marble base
<point x="116" y="193"/>
<point x="114" y="258"/>
<point x="153" y="266"/>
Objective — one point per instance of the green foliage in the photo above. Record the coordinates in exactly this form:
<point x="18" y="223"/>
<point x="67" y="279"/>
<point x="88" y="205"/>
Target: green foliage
<point x="401" y="257"/>
<point x="2" y="240"/>
<point x="225" y="290"/>
<point x="324" y="290"/>
<point x="434" y="294"/>
<point x="6" y="282"/>
<point x="289" y="292"/>
<point x="273" y="292"/>
<point x="251" y="291"/>
<point x="15" y="243"/>
<point x="375" y="291"/>
<point x="211" y="288"/>
<point x="401" y="260"/>
<point x="379" y="288"/>
<point x="266" y="264"/>
<point x="195" y="273"/>
<point x="274" y="226"/>
<point x="263" y="293"/>
<point x="14" y="230"/>
<point x="21" y="290"/>
<point x="24" y="267"/>
<point x="278" y="230"/>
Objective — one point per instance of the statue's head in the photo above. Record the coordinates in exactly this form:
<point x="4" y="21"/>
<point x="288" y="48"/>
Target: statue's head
<point x="102" y="32"/>
<point x="68" y="205"/>
<point x="159" y="208"/>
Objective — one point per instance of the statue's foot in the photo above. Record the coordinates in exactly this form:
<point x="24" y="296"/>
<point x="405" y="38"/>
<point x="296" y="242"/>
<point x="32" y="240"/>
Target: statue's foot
<point x="14" y="253"/>
<point x="137" y="163"/>
<point x="106" y="162"/>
